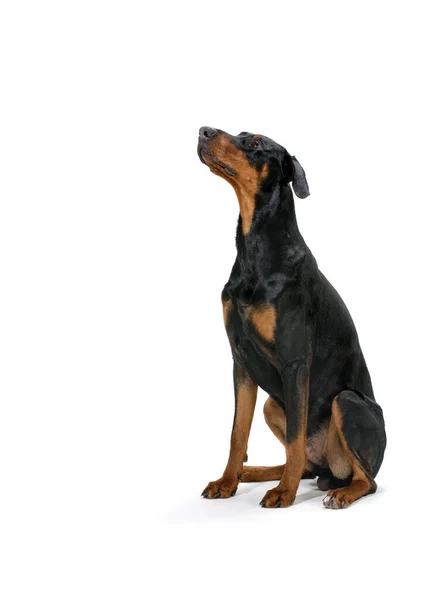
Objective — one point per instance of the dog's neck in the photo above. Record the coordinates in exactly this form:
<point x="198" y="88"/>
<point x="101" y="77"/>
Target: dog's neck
<point x="273" y="238"/>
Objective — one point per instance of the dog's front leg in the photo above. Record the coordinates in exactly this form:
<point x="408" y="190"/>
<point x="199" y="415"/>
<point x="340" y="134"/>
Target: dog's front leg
<point x="245" y="399"/>
<point x="296" y="397"/>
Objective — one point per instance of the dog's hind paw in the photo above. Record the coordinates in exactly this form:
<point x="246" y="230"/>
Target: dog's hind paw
<point x="332" y="502"/>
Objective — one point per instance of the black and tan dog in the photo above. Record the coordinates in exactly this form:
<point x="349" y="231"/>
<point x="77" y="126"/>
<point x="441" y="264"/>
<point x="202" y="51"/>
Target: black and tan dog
<point x="292" y="335"/>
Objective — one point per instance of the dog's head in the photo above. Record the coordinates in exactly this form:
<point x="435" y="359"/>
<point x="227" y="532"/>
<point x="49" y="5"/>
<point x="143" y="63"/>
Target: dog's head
<point x="249" y="161"/>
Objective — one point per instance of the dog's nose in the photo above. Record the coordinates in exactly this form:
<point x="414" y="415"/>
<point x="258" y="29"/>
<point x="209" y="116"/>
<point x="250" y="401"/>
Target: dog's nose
<point x="207" y="133"/>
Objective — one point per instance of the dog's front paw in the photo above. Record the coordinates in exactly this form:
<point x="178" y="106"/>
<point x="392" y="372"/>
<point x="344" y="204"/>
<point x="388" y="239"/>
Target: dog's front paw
<point x="221" y="488"/>
<point x="278" y="498"/>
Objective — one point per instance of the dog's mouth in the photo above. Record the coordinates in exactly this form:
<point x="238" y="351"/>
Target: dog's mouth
<point x="208" y="159"/>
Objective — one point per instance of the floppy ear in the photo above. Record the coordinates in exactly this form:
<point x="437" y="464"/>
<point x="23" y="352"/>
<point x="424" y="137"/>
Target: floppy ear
<point x="293" y="172"/>
<point x="299" y="182"/>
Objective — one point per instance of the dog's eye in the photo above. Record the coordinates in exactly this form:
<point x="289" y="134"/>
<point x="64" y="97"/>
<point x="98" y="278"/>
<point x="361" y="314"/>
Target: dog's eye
<point x="255" y="143"/>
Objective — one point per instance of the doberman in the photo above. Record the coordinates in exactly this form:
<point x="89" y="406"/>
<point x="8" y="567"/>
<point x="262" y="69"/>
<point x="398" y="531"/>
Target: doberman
<point x="292" y="335"/>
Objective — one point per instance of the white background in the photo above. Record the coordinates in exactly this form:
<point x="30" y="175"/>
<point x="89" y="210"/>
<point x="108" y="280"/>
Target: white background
<point x="115" y="242"/>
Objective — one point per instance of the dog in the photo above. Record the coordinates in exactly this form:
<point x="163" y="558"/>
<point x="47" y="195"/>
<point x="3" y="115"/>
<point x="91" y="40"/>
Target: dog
<point x="290" y="334"/>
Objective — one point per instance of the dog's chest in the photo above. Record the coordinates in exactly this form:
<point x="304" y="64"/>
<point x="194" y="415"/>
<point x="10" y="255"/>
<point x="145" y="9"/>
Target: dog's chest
<point x="252" y="321"/>
<point x="251" y="331"/>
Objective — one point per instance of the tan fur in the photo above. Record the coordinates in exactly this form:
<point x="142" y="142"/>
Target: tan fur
<point x="361" y="484"/>
<point x="317" y="446"/>
<point x="245" y="406"/>
<point x="339" y="461"/>
<point x="264" y="319"/>
<point x="227" y="308"/>
<point x="284" y="494"/>
<point x="275" y="418"/>
<point x="247" y="180"/>
<point x="262" y="473"/>
<point x="246" y="400"/>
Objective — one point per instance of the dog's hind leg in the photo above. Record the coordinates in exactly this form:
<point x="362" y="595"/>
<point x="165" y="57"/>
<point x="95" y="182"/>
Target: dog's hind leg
<point x="262" y="473"/>
<point x="356" y="444"/>
<point x="276" y="419"/>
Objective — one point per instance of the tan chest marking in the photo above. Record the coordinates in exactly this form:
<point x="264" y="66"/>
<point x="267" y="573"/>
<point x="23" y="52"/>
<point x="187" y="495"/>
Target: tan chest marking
<point x="264" y="319"/>
<point x="227" y="308"/>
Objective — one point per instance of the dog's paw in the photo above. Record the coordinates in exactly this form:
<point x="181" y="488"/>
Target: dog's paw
<point x="278" y="498"/>
<point x="221" y="488"/>
<point x="336" y="499"/>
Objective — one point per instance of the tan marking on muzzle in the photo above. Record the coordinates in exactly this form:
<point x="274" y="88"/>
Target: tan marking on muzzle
<point x="247" y="180"/>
